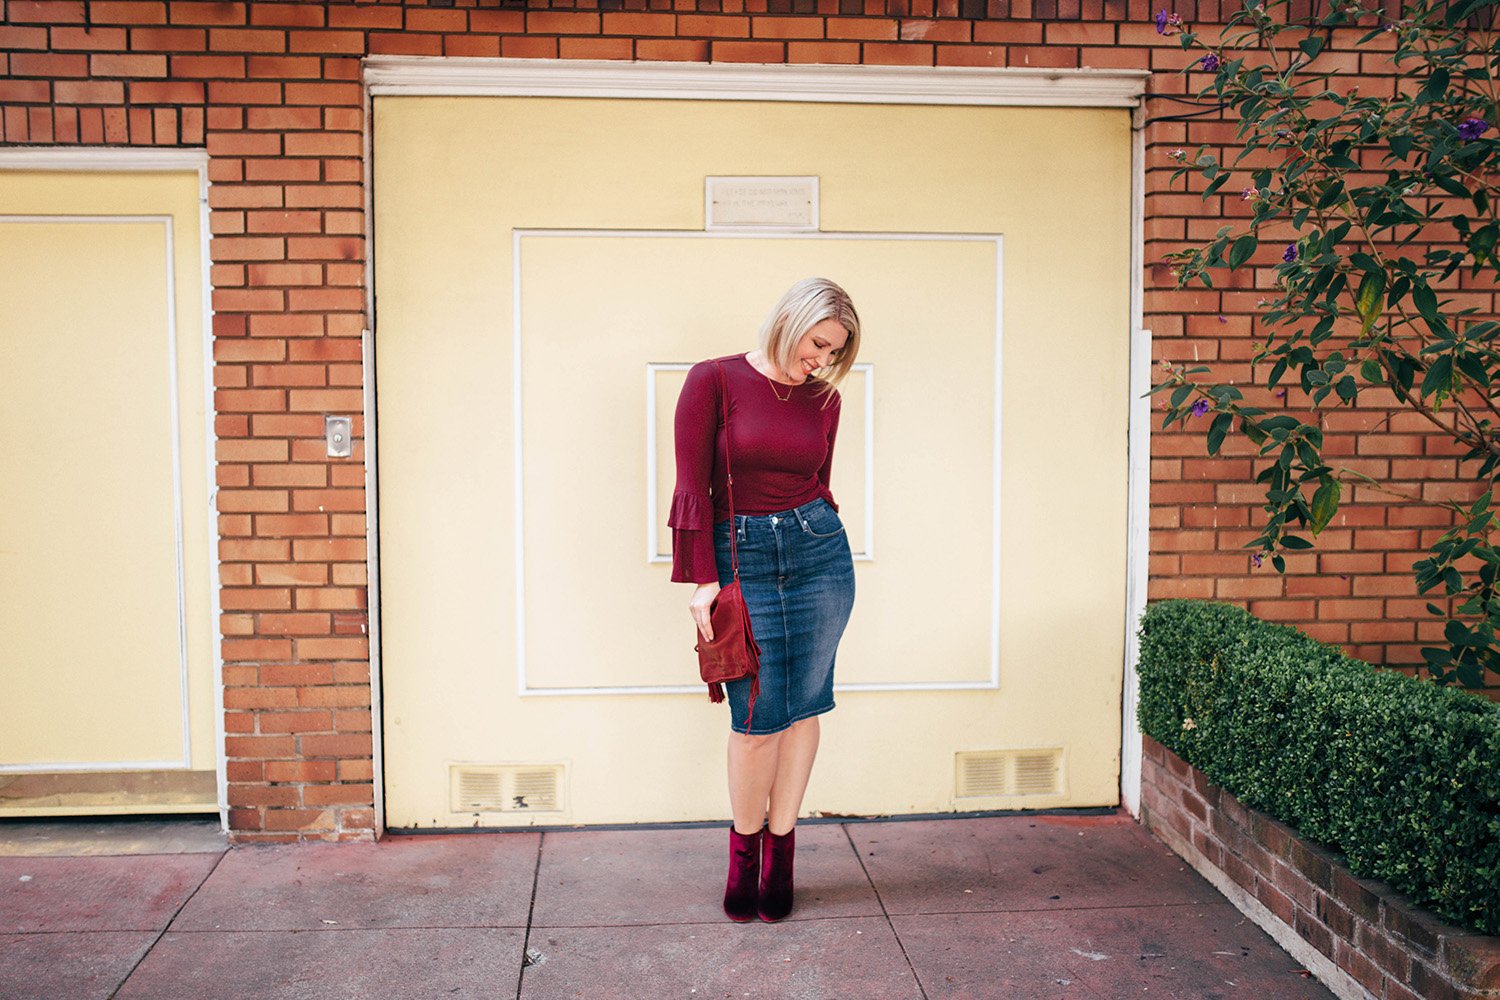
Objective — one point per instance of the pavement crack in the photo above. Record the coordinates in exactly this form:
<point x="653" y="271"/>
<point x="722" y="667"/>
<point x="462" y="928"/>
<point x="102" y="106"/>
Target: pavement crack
<point x="168" y="925"/>
<point x="526" y="959"/>
<point x="899" y="943"/>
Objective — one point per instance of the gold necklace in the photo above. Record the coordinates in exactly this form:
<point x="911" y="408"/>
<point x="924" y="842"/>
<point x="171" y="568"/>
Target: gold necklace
<point x="772" y="382"/>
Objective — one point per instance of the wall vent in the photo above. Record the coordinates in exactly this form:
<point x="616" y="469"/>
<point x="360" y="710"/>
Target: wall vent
<point x="982" y="774"/>
<point x="507" y="788"/>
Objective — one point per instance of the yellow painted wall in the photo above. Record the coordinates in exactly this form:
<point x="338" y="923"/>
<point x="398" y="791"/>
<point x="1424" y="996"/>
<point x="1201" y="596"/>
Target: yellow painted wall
<point x="455" y="177"/>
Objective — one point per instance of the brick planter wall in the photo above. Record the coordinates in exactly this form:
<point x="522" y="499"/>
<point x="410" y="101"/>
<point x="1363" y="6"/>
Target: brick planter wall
<point x="1361" y="938"/>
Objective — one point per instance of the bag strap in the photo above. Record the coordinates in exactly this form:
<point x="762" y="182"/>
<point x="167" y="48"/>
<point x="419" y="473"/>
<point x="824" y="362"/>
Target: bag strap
<point x="734" y="553"/>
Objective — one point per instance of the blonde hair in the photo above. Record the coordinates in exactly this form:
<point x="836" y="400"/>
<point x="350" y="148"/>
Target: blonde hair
<point x="805" y="305"/>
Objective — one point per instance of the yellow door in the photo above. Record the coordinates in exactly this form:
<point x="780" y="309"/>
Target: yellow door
<point x="544" y="277"/>
<point x="106" y="659"/>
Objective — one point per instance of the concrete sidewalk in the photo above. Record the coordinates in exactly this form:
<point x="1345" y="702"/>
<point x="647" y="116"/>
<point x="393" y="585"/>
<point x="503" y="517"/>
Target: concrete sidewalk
<point x="1016" y="906"/>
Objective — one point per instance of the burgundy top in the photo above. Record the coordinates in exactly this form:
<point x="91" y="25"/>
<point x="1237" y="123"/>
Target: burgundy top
<point x="783" y="453"/>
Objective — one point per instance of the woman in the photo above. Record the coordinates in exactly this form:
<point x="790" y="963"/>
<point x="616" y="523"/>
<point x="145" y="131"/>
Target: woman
<point x="796" y="572"/>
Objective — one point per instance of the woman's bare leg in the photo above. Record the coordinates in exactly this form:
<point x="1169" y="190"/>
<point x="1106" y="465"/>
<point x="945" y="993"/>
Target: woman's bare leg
<point x="771" y="771"/>
<point x="752" y="771"/>
<point x="799" y="745"/>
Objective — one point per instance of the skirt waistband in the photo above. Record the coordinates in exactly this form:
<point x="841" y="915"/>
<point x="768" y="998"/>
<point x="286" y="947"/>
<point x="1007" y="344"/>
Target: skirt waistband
<point x="779" y="515"/>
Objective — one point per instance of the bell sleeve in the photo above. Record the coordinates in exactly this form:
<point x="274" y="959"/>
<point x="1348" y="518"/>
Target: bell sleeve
<point x="692" y="515"/>
<point x="826" y="472"/>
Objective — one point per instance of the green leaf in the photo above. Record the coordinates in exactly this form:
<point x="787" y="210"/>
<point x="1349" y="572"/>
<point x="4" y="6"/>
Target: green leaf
<point x="1439" y="377"/>
<point x="1425" y="299"/>
<point x="1311" y="46"/>
<point x="1371" y="371"/>
<point x="1216" y="432"/>
<point x="1436" y="85"/>
<point x="1242" y="249"/>
<point x="1369" y="299"/>
<point x="1294" y="542"/>
<point x="1325" y="504"/>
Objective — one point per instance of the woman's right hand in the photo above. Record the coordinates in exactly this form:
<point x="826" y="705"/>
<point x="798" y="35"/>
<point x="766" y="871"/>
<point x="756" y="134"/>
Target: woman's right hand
<point x="703" y="598"/>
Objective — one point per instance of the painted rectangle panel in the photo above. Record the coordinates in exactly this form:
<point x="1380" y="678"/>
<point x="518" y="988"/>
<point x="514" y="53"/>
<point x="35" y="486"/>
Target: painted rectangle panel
<point x="682" y="298"/>
<point x="91" y="628"/>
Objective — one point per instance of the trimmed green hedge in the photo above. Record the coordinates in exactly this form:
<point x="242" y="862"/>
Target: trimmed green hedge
<point x="1399" y="775"/>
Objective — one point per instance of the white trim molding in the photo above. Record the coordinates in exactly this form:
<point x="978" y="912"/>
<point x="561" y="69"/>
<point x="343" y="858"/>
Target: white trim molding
<point x="972" y="85"/>
<point x="102" y="158"/>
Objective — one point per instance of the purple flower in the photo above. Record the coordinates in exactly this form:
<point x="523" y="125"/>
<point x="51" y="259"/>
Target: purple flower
<point x="1200" y="407"/>
<point x="1255" y="558"/>
<point x="1210" y="62"/>
<point x="1473" y="128"/>
<point x="1166" y="21"/>
<point x="1290" y="254"/>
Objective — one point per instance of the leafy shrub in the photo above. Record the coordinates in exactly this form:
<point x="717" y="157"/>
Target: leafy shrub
<point x="1401" y="776"/>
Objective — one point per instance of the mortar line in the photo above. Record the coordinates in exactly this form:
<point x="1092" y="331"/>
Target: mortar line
<point x="899" y="943"/>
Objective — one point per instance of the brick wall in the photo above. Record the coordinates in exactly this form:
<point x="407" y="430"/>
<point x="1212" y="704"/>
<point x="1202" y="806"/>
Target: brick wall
<point x="273" y="90"/>
<point x="1384" y="947"/>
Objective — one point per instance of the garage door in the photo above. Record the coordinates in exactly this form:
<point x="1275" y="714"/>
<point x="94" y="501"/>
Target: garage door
<point x="546" y="269"/>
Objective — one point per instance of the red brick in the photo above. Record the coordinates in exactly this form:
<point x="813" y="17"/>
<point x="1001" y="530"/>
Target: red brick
<point x="378" y="16"/>
<point x="752" y="52"/>
<point x="288" y="15"/>
<point x="899" y="53"/>
<point x="166" y="92"/>
<point x="595" y="48"/>
<point x="128" y="12"/>
<point x="486" y="46"/>
<point x="88" y="92"/>
<point x="25" y="91"/>
<point x="970" y="55"/>
<point x="328" y="41"/>
<point x="427" y="19"/>
<point x="206" y="12"/>
<point x="862" y="28"/>
<point x="823" y="52"/>
<point x="117" y="64"/>
<point x="299" y="819"/>
<point x="533" y="48"/>
<point x="566" y="23"/>
<point x="49" y="64"/>
<point x="257" y="649"/>
<point x="246" y="40"/>
<point x="168" y="39"/>
<point x="393" y="44"/>
<point x="13" y="39"/>
<point x="247" y="92"/>
<point x="635" y="24"/>
<point x="323" y="795"/>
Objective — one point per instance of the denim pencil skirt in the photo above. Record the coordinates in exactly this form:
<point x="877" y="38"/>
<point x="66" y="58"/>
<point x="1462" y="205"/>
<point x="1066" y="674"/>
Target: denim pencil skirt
<point x="797" y="575"/>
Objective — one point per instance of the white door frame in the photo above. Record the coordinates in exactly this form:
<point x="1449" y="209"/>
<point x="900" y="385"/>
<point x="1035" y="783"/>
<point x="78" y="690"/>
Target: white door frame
<point x="961" y="85"/>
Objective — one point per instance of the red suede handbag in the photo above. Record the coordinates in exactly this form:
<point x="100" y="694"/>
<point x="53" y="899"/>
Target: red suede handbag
<point x="733" y="653"/>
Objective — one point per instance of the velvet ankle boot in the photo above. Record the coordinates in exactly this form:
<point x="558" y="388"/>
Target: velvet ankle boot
<point x="744" y="875"/>
<point x="776" y="874"/>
